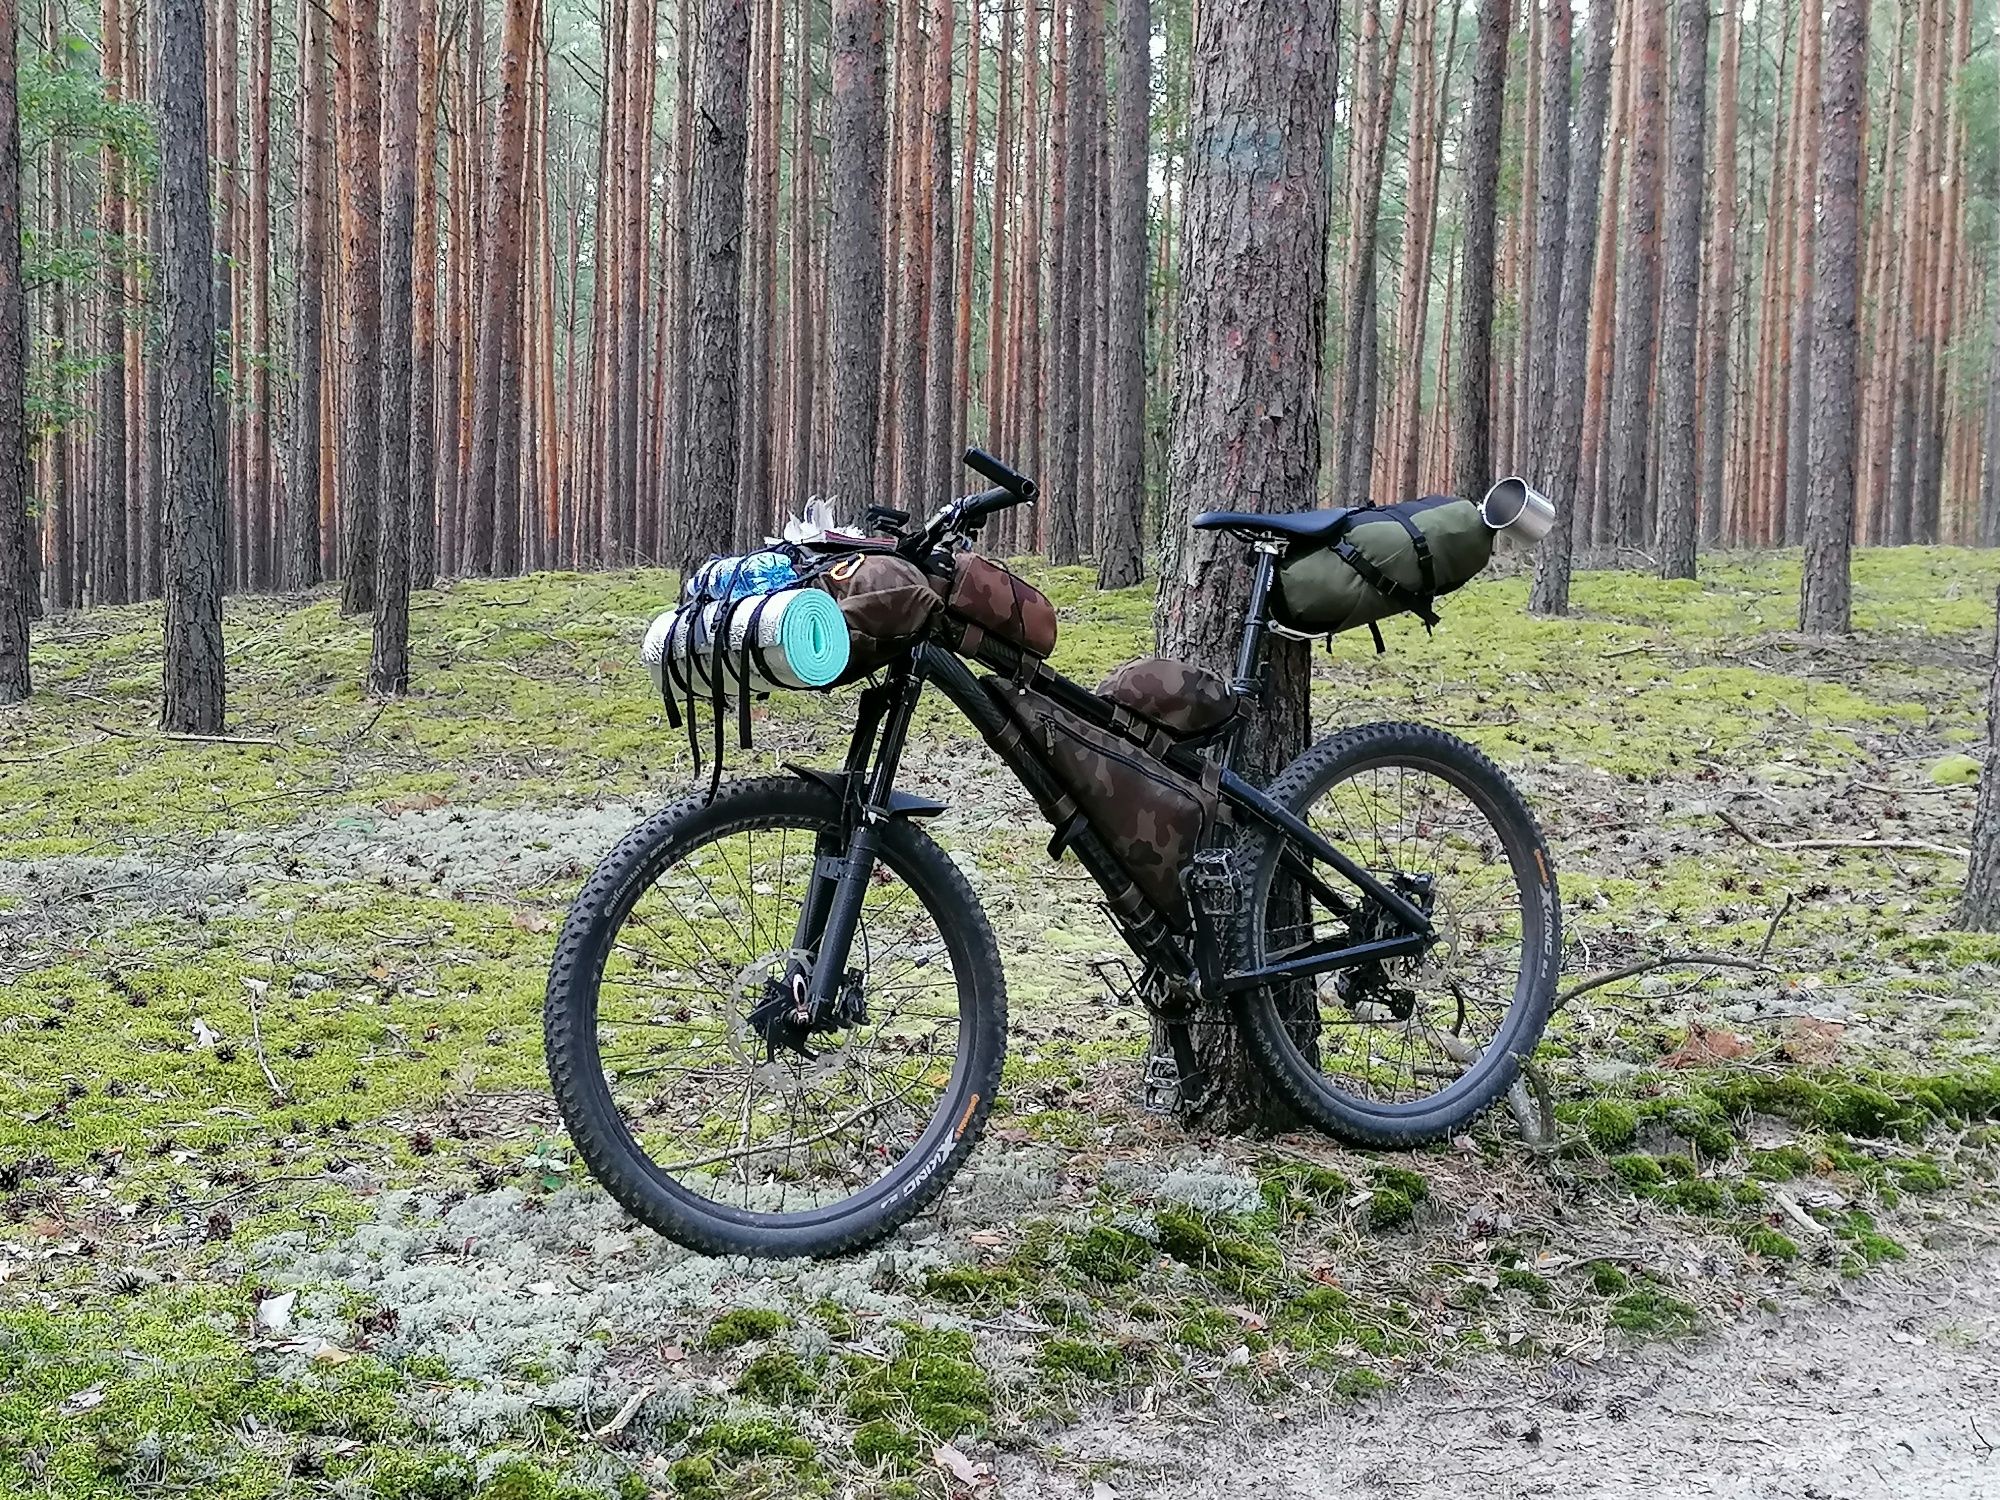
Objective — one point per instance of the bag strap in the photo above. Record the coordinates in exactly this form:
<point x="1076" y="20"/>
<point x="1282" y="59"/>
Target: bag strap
<point x="1404" y="598"/>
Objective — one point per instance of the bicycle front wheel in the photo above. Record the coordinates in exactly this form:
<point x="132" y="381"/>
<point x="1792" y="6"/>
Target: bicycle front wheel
<point x="1402" y="1051"/>
<point x="686" y="1094"/>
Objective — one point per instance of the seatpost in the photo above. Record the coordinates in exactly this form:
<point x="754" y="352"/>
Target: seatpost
<point x="1255" y="620"/>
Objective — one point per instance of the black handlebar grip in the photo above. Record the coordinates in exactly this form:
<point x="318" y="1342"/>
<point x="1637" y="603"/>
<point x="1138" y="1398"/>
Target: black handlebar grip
<point x="983" y="463"/>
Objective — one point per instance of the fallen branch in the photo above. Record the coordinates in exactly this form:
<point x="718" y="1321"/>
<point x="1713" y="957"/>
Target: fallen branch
<point x="1646" y="966"/>
<point x="188" y="739"/>
<point x="625" y="1414"/>
<point x="1787" y="845"/>
<point x="256" y="988"/>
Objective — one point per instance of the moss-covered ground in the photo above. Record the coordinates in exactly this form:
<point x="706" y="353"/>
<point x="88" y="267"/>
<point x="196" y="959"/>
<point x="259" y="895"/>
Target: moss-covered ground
<point x="284" y="1209"/>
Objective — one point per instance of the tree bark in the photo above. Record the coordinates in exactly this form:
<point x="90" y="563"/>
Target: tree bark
<point x="109" y="563"/>
<point x="423" y="315"/>
<point x="709" y="459"/>
<point x="1802" y="396"/>
<point x="1472" y="402"/>
<point x="190" y="476"/>
<point x="1979" y="909"/>
<point x="1632" y="378"/>
<point x="1551" y="211"/>
<point x="1121" y="544"/>
<point x="17" y="583"/>
<point x="1681" y="315"/>
<point x="854" y="247"/>
<point x="940" y="364"/>
<point x="389" y="662"/>
<point x="1824" y="592"/>
<point x="360" y="87"/>
<point x="488" y="530"/>
<point x="1563" y="435"/>
<point x="804" y="366"/>
<point x="1721" y="313"/>
<point x="1248" y="353"/>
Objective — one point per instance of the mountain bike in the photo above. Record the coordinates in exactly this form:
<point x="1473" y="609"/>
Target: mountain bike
<point x="776" y="1017"/>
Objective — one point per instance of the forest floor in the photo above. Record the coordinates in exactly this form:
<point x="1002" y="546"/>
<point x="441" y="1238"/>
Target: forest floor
<point x="284" y="1208"/>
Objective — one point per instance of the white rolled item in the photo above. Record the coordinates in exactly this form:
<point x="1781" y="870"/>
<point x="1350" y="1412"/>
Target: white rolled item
<point x="801" y="642"/>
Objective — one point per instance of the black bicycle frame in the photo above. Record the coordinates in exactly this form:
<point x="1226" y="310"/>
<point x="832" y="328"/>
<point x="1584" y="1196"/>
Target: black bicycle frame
<point x="867" y="783"/>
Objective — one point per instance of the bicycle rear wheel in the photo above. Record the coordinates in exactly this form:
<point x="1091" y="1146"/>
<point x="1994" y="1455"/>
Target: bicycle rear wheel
<point x="1403" y="1051"/>
<point x="684" y="1090"/>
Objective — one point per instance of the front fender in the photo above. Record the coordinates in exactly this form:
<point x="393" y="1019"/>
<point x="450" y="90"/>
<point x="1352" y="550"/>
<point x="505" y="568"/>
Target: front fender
<point x="901" y="804"/>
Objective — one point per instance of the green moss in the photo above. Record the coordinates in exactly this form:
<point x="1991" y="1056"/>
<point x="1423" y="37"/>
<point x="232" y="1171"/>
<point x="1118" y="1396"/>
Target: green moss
<point x="1209" y="1330"/>
<point x="835" y="1319"/>
<point x="991" y="1285"/>
<point x="777" y="1378"/>
<point x="743" y="1325"/>
<point x="694" y="1477"/>
<point x="752" y="1437"/>
<point x="1648" y="1311"/>
<point x="518" y="1479"/>
<point x="1638" y="1171"/>
<point x="1401" y="1180"/>
<point x="1535" y="1286"/>
<point x="1108" y="1254"/>
<point x="1357" y="1383"/>
<point x="1222" y="1249"/>
<point x="1300" y="1189"/>
<point x="1869" y="1246"/>
<point x="1606" y="1279"/>
<point x="1075" y="1359"/>
<point x="932" y="1385"/>
<point x="1762" y="1240"/>
<point x="1696" y="1196"/>
<point x="1918" y="1176"/>
<point x="401" y="1474"/>
<point x="1611" y="1124"/>
<point x="1390" y="1209"/>
<point x="883" y="1443"/>
<point x="1780" y="1163"/>
<point x="1857" y="1109"/>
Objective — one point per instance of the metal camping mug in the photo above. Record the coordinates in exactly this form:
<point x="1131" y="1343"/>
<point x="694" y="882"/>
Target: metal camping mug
<point x="1515" y="507"/>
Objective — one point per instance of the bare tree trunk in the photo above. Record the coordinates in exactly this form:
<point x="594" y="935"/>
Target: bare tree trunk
<point x="940" y="402"/>
<point x="1979" y="910"/>
<point x="854" y="272"/>
<point x="1721" y="314"/>
<point x="709" y="459"/>
<point x="360" y="86"/>
<point x="108" y="561"/>
<point x="190" y="477"/>
<point x="1472" y="400"/>
<point x="423" y="315"/>
<point x="803" y="363"/>
<point x="1681" y="312"/>
<point x="1059" y="503"/>
<point x="17" y="582"/>
<point x="1551" y="210"/>
<point x="1121" y="545"/>
<point x="1558" y="460"/>
<point x="1802" y="396"/>
<point x="1248" y="378"/>
<point x="1632" y="380"/>
<point x="1823" y="595"/>
<point x="488" y="530"/>
<point x="389" y="663"/>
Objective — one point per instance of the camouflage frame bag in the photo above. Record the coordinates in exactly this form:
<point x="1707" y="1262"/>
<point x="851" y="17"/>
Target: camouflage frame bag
<point x="1149" y="816"/>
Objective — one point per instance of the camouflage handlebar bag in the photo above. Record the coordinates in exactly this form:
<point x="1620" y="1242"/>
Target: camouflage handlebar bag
<point x="987" y="600"/>
<point x="1384" y="560"/>
<point x="888" y="604"/>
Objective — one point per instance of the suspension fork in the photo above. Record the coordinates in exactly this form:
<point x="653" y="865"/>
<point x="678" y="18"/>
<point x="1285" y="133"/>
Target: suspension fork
<point x="844" y="864"/>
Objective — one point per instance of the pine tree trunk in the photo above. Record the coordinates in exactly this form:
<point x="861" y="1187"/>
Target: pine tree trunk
<point x="423" y="315"/>
<point x="109" y="564"/>
<point x="1058" y="507"/>
<point x="1989" y="505"/>
<point x="1551" y="212"/>
<point x="1721" y="313"/>
<point x="389" y="662"/>
<point x="803" y="362"/>
<point x="17" y="582"/>
<point x="1681" y="307"/>
<point x="1247" y="390"/>
<point x="1979" y="910"/>
<point x="854" y="247"/>
<point x="492" y="502"/>
<point x="360" y="86"/>
<point x="1823" y="597"/>
<point x="940" y="401"/>
<point x="1549" y="595"/>
<point x="1357" y="408"/>
<point x="968" y="254"/>
<point x="1632" y="380"/>
<point x="191" y="479"/>
<point x="260" y="472"/>
<point x="1121" y="543"/>
<point x="709" y="459"/>
<point x="1472" y="400"/>
<point x="1801" y="398"/>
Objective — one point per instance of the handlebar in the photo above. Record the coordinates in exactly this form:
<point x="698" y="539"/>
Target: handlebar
<point x="968" y="513"/>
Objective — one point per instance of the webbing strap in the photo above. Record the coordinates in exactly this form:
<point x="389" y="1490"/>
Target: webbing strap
<point x="1417" y="604"/>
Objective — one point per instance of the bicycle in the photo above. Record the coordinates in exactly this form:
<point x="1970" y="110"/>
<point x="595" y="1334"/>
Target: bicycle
<point x="776" y="1016"/>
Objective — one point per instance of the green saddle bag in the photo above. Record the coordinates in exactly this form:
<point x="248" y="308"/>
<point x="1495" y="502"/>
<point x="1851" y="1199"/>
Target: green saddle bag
<point x="1384" y="560"/>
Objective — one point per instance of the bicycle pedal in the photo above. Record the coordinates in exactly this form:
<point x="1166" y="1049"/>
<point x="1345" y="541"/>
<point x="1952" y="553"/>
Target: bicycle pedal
<point x="1214" y="882"/>
<point x="1162" y="1086"/>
